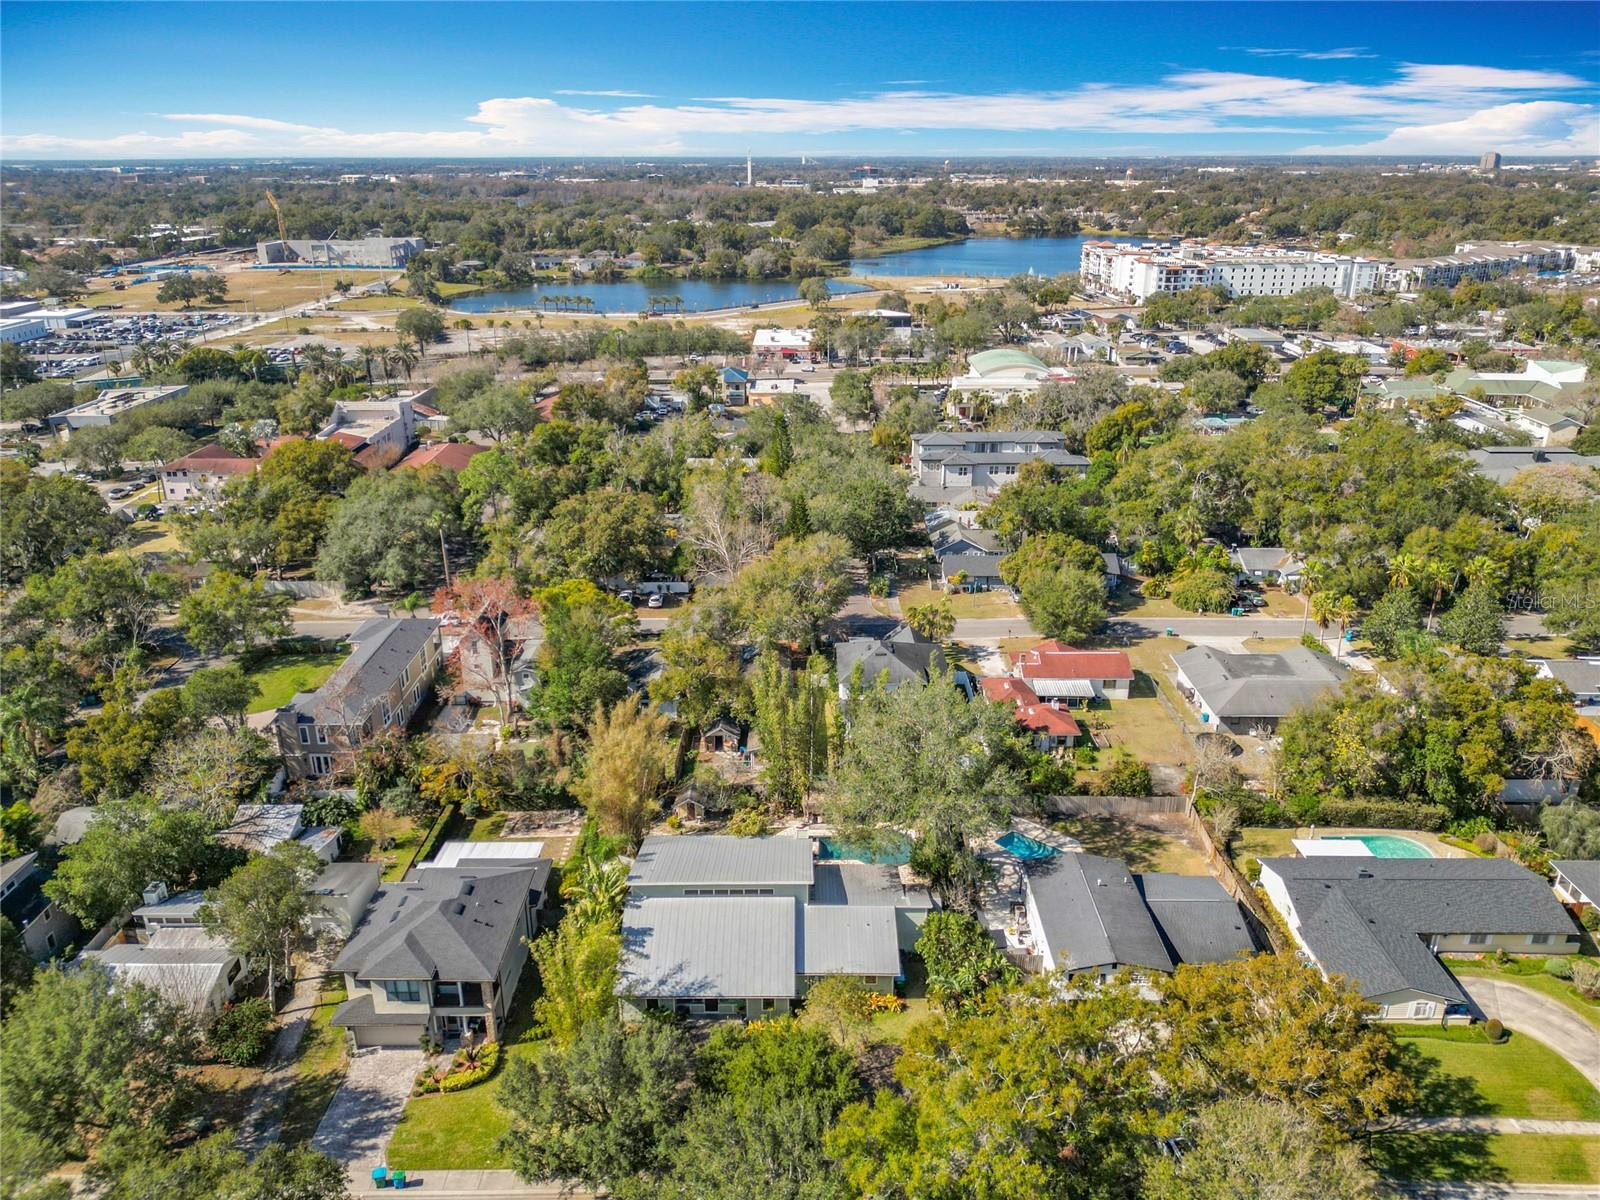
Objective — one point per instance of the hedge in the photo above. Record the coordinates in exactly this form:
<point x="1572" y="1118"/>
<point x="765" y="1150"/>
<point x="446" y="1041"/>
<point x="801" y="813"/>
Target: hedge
<point x="1384" y="814"/>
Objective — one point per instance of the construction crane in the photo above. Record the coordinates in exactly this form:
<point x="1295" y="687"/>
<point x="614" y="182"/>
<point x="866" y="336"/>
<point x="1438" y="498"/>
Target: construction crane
<point x="283" y="234"/>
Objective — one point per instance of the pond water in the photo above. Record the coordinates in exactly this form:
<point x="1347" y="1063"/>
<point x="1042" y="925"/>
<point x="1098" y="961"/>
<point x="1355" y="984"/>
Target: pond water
<point x="631" y="296"/>
<point x="986" y="256"/>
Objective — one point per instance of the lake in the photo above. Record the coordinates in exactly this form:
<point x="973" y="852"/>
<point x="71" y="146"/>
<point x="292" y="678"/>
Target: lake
<point x="630" y="296"/>
<point x="999" y="256"/>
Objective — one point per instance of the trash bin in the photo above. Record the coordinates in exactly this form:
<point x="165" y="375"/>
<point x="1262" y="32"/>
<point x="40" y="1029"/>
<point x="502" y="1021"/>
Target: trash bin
<point x="380" y="1177"/>
<point x="398" y="1178"/>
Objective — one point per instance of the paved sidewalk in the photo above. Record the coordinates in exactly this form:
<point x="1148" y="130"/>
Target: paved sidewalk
<point x="1490" y="1191"/>
<point x="482" y="1185"/>
<point x="1493" y="1125"/>
<point x="1538" y="1016"/>
<point x="265" y="1118"/>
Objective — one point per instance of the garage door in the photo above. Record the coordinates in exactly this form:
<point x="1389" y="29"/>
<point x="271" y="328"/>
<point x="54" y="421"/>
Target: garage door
<point x="388" y="1035"/>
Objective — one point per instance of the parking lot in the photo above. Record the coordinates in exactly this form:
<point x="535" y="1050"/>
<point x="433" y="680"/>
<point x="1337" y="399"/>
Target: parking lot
<point x="65" y="353"/>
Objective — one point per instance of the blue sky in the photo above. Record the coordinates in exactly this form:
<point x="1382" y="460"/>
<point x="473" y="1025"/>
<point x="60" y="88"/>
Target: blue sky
<point x="131" y="81"/>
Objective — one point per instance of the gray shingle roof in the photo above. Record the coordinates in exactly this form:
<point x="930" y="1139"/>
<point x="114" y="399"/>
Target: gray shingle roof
<point x="444" y="925"/>
<point x="384" y="647"/>
<point x="1585" y="872"/>
<point x="848" y="939"/>
<point x="1266" y="558"/>
<point x="1581" y="676"/>
<point x="1092" y="915"/>
<point x="977" y="566"/>
<point x="697" y="860"/>
<point x="1197" y="918"/>
<point x="949" y="540"/>
<point x="1259" y="685"/>
<point x="709" y="946"/>
<point x="1368" y="918"/>
<point x="905" y="654"/>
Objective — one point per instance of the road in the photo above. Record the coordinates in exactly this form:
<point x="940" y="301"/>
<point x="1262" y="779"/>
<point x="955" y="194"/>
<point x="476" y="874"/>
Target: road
<point x="1246" y="626"/>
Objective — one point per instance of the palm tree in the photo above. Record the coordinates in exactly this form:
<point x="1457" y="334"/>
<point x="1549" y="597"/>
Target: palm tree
<point x="1404" y="570"/>
<point x="1344" y="611"/>
<point x="369" y="355"/>
<point x="1435" y="581"/>
<point x="1188" y="528"/>
<point x="1312" y="578"/>
<point x="1324" y="610"/>
<point x="1482" y="570"/>
<point x="406" y="358"/>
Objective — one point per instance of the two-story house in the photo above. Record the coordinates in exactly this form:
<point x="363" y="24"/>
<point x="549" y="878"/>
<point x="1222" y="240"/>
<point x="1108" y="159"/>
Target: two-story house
<point x="441" y="953"/>
<point x="379" y="687"/>
<point x="46" y="929"/>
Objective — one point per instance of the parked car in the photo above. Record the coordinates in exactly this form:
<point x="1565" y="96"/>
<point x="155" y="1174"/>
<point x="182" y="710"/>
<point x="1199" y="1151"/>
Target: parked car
<point x="655" y="601"/>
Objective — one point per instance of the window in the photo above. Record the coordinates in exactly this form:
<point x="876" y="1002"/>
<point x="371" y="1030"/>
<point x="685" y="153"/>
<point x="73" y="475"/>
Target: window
<point x="1422" y="1009"/>
<point x="402" y="990"/>
<point x="1539" y="939"/>
<point x="769" y="1006"/>
<point x="305" y="736"/>
<point x="1477" y="939"/>
<point x="321" y="764"/>
<point x="322" y="735"/>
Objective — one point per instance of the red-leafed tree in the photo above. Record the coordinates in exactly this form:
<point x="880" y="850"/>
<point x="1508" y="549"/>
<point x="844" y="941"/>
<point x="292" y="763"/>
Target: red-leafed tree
<point x="496" y="617"/>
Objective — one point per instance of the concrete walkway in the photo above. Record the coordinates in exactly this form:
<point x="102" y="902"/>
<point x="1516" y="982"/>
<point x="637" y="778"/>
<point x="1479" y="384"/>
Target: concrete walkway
<point x="364" y="1111"/>
<point x="1492" y="1125"/>
<point x="265" y="1118"/>
<point x="1489" y="1191"/>
<point x="1540" y="1017"/>
<point x="483" y="1185"/>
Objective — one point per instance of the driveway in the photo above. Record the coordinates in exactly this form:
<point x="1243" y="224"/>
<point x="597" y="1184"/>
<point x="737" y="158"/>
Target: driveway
<point x="1538" y="1016"/>
<point x="361" y="1119"/>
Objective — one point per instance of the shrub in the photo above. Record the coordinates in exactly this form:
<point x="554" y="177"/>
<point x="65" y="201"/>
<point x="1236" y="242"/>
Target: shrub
<point x="1469" y="829"/>
<point x="1126" y="776"/>
<point x="885" y="1002"/>
<point x="1383" y="814"/>
<point x="1485" y="842"/>
<point x="334" y="809"/>
<point x="1312" y="642"/>
<point x="239" y="1034"/>
<point x="1586" y="977"/>
<point x="1252" y="869"/>
<point x="750" y="821"/>
<point x="1559" y="967"/>
<point x="1590" y="919"/>
<point x="488" y="1061"/>
<point x="1493" y="1030"/>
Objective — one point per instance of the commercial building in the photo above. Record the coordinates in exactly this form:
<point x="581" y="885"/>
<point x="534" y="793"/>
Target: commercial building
<point x="376" y="252"/>
<point x="379" y="687"/>
<point x="201" y="473"/>
<point x="377" y="432"/>
<point x="109" y="407"/>
<point x="21" y="329"/>
<point x="1380" y="922"/>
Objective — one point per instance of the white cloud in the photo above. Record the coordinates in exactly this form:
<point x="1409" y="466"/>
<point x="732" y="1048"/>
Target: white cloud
<point x="1441" y="105"/>
<point x="1311" y="55"/>
<point x="605" y="92"/>
<point x="1533" y="127"/>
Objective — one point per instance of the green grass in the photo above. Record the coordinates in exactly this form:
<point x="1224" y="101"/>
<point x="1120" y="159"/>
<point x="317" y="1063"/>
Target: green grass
<point x="459" y="1130"/>
<point x="1501" y="1157"/>
<point x="282" y="676"/>
<point x="893" y="1027"/>
<point x="319" y="1069"/>
<point x="1469" y="1076"/>
<point x="1557" y="989"/>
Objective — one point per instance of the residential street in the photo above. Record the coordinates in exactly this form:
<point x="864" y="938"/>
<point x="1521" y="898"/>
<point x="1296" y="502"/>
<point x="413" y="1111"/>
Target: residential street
<point x="1538" y="1016"/>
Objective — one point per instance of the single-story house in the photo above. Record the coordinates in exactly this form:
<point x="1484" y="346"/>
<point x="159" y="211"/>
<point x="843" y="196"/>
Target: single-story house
<point x="1534" y="793"/>
<point x="342" y="892"/>
<point x="742" y="927"/>
<point x="440" y="954"/>
<point x="446" y="456"/>
<point x="903" y="656"/>
<point x="1056" y="671"/>
<point x="260" y="827"/>
<point x="963" y="540"/>
<point x="1381" y="922"/>
<point x="1268" y="564"/>
<point x="1250" y="693"/>
<point x="187" y="966"/>
<point x="1088" y="914"/>
<point x="970" y="572"/>
<point x="1050" y="725"/>
<point x="1578" y="881"/>
<point x="1580" y="676"/>
<point x="500" y="852"/>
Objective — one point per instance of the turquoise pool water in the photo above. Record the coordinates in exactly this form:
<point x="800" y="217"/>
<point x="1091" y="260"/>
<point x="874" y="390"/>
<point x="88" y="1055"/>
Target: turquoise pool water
<point x="1386" y="845"/>
<point x="1025" y="847"/>
<point x="894" y="854"/>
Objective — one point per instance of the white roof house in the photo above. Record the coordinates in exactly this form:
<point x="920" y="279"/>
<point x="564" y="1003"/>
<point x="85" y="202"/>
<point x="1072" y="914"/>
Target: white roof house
<point x="457" y="853"/>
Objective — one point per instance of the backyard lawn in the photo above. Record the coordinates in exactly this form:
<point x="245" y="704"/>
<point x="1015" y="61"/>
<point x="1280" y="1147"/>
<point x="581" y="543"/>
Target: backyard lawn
<point x="152" y="537"/>
<point x="965" y="605"/>
<point x="1459" y="1072"/>
<point x="893" y="1027"/>
<point x="1501" y="1157"/>
<point x="458" y="1131"/>
<point x="1143" y="846"/>
<point x="281" y="676"/>
<point x="320" y="1068"/>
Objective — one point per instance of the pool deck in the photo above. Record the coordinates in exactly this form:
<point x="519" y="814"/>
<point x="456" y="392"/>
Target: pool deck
<point x="1429" y="841"/>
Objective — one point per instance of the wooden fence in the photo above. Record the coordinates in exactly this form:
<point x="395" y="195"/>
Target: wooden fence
<point x="1114" y="806"/>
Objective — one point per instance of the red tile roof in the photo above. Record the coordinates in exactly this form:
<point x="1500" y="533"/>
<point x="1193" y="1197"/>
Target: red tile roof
<point x="450" y="455"/>
<point x="219" y="460"/>
<point x="352" y="441"/>
<point x="1031" y="715"/>
<point x="1054" y="660"/>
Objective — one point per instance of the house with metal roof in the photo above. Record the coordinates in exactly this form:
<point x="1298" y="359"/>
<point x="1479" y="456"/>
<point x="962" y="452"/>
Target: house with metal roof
<point x="379" y="687"/>
<point x="1250" y="693"/>
<point x="1381" y="923"/>
<point x="189" y="967"/>
<point x="1058" y="672"/>
<point x="440" y="953"/>
<point x="720" y="926"/>
<point x="1092" y="915"/>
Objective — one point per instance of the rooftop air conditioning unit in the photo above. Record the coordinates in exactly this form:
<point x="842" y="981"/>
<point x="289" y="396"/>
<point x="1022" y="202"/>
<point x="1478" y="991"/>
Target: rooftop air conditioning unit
<point x="155" y="893"/>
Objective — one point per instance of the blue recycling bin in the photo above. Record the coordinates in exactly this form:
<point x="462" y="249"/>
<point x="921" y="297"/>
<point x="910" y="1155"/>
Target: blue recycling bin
<point x="380" y="1177"/>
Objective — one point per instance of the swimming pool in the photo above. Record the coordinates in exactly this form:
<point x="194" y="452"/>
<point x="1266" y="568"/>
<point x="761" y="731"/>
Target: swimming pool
<point x="893" y="854"/>
<point x="1024" y="847"/>
<point x="1385" y="845"/>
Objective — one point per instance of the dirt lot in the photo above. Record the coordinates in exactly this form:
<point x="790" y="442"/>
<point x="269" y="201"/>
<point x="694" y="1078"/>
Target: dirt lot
<point x="262" y="290"/>
<point x="1157" y="842"/>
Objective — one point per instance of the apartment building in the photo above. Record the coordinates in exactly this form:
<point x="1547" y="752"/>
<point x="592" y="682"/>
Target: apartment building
<point x="379" y="687"/>
<point x="377" y="432"/>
